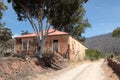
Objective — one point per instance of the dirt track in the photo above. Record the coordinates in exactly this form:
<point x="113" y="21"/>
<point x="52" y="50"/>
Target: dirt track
<point x="87" y="71"/>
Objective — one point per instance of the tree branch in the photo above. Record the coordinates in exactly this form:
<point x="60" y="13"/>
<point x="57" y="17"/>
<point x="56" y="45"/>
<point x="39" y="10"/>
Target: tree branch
<point x="55" y="29"/>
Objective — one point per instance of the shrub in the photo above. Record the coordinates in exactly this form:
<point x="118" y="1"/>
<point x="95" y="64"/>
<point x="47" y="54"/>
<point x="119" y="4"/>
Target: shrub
<point x="93" y="54"/>
<point x="6" y="48"/>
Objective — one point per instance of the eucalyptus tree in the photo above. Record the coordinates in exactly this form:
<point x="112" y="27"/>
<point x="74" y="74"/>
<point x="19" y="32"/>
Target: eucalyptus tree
<point x="2" y="9"/>
<point x="56" y="13"/>
<point x="25" y="32"/>
<point x="116" y="32"/>
<point x="5" y="33"/>
<point x="74" y="23"/>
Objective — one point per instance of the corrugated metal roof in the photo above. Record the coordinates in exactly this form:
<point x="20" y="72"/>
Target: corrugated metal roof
<point x="51" y="31"/>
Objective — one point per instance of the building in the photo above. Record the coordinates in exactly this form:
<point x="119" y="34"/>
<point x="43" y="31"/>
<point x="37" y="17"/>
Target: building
<point x="58" y="41"/>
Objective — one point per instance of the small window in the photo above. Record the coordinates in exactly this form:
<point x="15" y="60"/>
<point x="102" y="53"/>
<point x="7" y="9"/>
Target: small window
<point x="25" y="45"/>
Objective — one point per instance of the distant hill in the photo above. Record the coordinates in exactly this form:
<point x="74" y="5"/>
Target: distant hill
<point x="104" y="43"/>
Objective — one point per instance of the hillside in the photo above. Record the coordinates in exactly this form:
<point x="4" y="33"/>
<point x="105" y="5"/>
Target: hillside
<point x="104" y="43"/>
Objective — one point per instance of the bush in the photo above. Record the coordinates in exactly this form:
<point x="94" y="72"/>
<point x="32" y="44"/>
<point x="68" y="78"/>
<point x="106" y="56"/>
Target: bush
<point x="6" y="48"/>
<point x="93" y="54"/>
<point x="117" y="56"/>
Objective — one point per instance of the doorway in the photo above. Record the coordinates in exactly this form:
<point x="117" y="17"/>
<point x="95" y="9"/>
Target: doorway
<point x="55" y="45"/>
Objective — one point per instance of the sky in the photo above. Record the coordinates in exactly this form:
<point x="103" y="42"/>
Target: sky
<point x="103" y="15"/>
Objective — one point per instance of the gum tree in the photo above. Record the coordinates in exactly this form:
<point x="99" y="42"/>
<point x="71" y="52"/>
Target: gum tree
<point x="37" y="11"/>
<point x="116" y="32"/>
<point x="5" y="33"/>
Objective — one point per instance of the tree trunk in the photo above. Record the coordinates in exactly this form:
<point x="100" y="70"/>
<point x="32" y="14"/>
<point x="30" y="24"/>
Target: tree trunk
<point x="41" y="46"/>
<point x="39" y="53"/>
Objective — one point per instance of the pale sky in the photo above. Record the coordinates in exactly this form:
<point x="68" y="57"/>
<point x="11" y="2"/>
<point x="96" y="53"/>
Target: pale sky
<point x="104" y="16"/>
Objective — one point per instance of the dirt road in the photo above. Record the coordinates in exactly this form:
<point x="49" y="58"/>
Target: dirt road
<point x="87" y="71"/>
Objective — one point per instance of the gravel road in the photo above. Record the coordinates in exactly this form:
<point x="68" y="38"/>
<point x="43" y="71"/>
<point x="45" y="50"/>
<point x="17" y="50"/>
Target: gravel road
<point x="87" y="71"/>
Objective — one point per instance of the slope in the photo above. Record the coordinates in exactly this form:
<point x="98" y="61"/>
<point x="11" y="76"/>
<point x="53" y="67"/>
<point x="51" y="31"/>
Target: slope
<point x="104" y="43"/>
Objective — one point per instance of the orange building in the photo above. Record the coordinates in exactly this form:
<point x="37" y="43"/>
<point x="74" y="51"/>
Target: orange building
<point x="58" y="41"/>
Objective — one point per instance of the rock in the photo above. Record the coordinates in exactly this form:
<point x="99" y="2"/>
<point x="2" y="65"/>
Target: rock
<point x="5" y="68"/>
<point x="1" y="78"/>
<point x="15" y="66"/>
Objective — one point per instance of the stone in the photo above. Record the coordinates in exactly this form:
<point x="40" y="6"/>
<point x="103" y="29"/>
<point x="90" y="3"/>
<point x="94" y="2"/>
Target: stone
<point x="1" y="78"/>
<point x="15" y="66"/>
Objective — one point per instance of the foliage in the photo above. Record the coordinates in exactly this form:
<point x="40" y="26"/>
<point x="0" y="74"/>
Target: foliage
<point x="116" y="55"/>
<point x="75" y="23"/>
<point x="118" y="58"/>
<point x="57" y="13"/>
<point x="24" y="32"/>
<point x="5" y="33"/>
<point x="93" y="54"/>
<point x="2" y="9"/>
<point x="5" y="41"/>
<point x="7" y="47"/>
<point x="116" y="32"/>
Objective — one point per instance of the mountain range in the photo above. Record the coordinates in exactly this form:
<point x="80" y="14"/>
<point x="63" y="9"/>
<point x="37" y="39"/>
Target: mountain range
<point x="104" y="43"/>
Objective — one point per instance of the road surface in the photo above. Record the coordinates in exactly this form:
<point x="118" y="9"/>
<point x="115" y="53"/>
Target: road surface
<point x="87" y="71"/>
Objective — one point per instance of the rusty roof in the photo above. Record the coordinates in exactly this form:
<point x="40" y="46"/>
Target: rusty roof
<point x="51" y="32"/>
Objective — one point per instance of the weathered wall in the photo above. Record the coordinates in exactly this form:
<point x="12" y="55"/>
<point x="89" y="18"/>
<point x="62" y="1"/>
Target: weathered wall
<point x="67" y="46"/>
<point x="62" y="44"/>
<point x="32" y="45"/>
<point x="17" y="46"/>
<point x="77" y="50"/>
<point x="48" y="48"/>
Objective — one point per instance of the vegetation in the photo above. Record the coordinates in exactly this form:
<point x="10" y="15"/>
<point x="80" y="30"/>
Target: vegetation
<point x="76" y="23"/>
<point x="24" y="32"/>
<point x="93" y="54"/>
<point x="60" y="14"/>
<point x="116" y="32"/>
<point x="2" y="9"/>
<point x="5" y="33"/>
<point x="104" y="43"/>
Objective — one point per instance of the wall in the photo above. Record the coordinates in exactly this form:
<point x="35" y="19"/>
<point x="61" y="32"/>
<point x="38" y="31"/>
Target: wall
<point x="67" y="46"/>
<point x="48" y="48"/>
<point x="77" y="50"/>
<point x="32" y="46"/>
<point x="62" y="44"/>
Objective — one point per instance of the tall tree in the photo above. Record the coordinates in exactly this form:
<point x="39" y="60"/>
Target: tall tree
<point x="25" y="32"/>
<point x="116" y="32"/>
<point x="35" y="11"/>
<point x="76" y="23"/>
<point x="5" y="33"/>
<point x="2" y="9"/>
